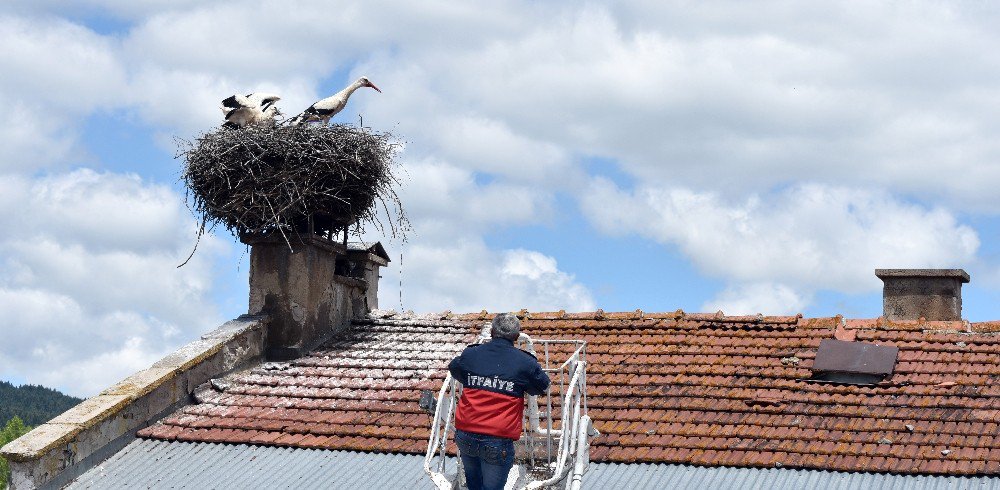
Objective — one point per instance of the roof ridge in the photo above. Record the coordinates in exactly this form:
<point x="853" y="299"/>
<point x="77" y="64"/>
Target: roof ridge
<point x="921" y="325"/>
<point x="600" y="314"/>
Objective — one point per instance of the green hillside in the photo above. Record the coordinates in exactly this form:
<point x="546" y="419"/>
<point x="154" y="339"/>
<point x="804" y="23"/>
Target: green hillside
<point x="35" y="405"/>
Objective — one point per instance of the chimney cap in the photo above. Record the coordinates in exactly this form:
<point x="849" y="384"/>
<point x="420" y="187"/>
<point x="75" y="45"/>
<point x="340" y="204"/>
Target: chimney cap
<point x="956" y="273"/>
<point x="380" y="256"/>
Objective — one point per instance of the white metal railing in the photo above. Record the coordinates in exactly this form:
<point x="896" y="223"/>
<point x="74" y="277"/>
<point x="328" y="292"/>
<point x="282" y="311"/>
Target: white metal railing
<point x="562" y="468"/>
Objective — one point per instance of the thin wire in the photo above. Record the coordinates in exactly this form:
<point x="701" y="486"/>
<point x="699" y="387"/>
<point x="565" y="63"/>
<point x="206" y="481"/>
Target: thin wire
<point x="401" y="277"/>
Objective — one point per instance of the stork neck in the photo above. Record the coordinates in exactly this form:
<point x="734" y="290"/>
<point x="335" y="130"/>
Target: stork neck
<point x="350" y="89"/>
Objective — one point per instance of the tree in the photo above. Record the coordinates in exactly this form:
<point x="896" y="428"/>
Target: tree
<point x="34" y="405"/>
<point x="14" y="429"/>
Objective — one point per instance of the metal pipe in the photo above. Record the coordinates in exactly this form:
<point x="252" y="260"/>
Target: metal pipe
<point x="572" y="396"/>
<point x="582" y="453"/>
<point x="533" y="421"/>
<point x="530" y="439"/>
<point x="548" y="415"/>
<point x="435" y="443"/>
<point x="583" y="357"/>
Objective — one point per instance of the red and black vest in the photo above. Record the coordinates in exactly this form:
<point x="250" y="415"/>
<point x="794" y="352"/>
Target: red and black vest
<point x="495" y="376"/>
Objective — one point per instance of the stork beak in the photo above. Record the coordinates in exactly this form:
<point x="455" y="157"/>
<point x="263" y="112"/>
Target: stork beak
<point x="372" y="85"/>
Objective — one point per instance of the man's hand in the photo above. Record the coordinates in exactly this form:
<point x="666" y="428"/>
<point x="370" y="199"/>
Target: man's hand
<point x="539" y="381"/>
<point x="427" y="402"/>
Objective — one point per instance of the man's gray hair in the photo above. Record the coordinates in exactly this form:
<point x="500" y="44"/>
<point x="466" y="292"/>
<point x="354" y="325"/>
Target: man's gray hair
<point x="506" y="326"/>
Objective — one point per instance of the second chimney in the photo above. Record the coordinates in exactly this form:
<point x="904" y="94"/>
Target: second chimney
<point x="933" y="294"/>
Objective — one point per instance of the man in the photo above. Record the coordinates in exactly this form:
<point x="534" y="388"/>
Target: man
<point x="496" y="375"/>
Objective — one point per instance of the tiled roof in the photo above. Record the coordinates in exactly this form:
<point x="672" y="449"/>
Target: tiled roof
<point x="357" y="392"/>
<point x="698" y="389"/>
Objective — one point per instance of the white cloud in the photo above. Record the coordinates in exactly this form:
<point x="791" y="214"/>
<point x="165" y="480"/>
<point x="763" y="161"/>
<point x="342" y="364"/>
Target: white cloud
<point x="446" y="264"/>
<point x="59" y="342"/>
<point x="752" y="298"/>
<point x="490" y="146"/>
<point x="112" y="211"/>
<point x="696" y="95"/>
<point x="119" y="9"/>
<point x="29" y="142"/>
<point x="312" y="38"/>
<point x="88" y="281"/>
<point x="807" y="237"/>
<point x="739" y="100"/>
<point x="248" y="39"/>
<point x="90" y="375"/>
<point x="444" y="201"/>
<point x="185" y="102"/>
<point x="466" y="276"/>
<point x="61" y="66"/>
<point x="57" y="73"/>
<point x="131" y="9"/>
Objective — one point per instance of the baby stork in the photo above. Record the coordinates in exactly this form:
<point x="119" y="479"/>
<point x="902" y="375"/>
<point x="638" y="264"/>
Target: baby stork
<point x="243" y="110"/>
<point x="326" y="108"/>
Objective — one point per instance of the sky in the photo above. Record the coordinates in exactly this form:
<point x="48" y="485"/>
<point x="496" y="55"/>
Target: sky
<point x="748" y="157"/>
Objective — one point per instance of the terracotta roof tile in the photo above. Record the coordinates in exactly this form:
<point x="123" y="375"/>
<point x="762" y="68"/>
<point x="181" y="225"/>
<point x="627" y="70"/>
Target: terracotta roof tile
<point x="676" y="387"/>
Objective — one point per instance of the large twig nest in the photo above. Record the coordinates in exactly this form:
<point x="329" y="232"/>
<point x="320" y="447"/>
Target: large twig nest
<point x="292" y="179"/>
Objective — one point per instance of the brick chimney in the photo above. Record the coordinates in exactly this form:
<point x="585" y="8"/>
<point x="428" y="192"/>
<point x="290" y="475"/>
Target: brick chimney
<point x="934" y="294"/>
<point x="305" y="290"/>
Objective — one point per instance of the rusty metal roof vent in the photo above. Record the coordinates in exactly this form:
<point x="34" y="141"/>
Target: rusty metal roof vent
<point x="858" y="363"/>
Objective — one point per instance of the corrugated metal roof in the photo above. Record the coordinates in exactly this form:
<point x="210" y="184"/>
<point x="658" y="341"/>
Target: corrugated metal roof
<point x="160" y="464"/>
<point x="660" y="476"/>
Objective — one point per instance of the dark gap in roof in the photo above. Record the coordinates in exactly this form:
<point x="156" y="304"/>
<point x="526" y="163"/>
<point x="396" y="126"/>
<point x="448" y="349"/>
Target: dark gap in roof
<point x="848" y="378"/>
<point x="764" y="327"/>
<point x="861" y="363"/>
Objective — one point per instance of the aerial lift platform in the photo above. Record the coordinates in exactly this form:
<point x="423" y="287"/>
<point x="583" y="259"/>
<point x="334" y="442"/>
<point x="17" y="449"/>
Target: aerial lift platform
<point x="554" y="448"/>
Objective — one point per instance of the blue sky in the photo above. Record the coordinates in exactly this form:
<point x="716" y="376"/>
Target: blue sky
<point x="572" y="155"/>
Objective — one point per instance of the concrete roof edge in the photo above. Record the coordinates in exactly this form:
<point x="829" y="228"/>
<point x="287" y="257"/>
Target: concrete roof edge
<point x="40" y="455"/>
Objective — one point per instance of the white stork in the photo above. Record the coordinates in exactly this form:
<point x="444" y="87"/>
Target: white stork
<point x="326" y="108"/>
<point x="242" y="110"/>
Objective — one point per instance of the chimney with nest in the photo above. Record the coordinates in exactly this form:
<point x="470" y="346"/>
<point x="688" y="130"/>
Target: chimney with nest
<point x="310" y="288"/>
<point x="932" y="294"/>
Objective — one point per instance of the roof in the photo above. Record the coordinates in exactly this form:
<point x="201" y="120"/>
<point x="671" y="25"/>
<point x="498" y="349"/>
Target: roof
<point x="160" y="464"/>
<point x="701" y="389"/>
<point x="660" y="476"/>
<point x="357" y="392"/>
<point x="373" y="248"/>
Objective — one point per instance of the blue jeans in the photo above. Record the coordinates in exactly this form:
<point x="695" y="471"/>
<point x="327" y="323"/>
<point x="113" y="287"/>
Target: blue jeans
<point x="487" y="459"/>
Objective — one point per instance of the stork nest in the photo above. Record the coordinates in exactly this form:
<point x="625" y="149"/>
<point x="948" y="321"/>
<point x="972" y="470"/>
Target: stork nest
<point x="292" y="179"/>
